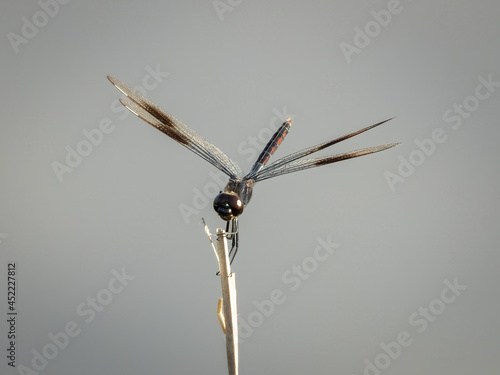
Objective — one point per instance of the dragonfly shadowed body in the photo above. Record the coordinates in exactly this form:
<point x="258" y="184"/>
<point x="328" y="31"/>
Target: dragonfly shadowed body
<point x="230" y="203"/>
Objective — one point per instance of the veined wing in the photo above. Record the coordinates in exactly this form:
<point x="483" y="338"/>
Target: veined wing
<point x="307" y="151"/>
<point x="300" y="165"/>
<point x="175" y="129"/>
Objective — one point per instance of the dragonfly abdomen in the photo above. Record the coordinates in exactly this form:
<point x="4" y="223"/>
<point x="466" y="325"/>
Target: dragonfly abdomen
<point x="271" y="147"/>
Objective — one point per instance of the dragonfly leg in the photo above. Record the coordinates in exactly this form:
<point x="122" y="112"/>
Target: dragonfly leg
<point x="234" y="239"/>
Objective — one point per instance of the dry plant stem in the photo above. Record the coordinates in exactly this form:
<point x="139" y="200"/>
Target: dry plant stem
<point x="228" y="316"/>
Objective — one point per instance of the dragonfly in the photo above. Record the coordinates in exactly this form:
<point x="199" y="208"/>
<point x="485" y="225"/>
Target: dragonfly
<point x="231" y="202"/>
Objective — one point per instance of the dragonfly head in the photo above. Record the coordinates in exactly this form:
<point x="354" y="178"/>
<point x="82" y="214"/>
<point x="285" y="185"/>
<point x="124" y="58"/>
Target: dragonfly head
<point x="228" y="205"/>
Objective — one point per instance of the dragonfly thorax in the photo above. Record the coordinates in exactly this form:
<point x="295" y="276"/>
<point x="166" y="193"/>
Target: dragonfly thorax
<point x="228" y="205"/>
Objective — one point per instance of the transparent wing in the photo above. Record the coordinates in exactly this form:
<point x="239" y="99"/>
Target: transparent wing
<point x="300" y="165"/>
<point x="307" y="151"/>
<point x="175" y="129"/>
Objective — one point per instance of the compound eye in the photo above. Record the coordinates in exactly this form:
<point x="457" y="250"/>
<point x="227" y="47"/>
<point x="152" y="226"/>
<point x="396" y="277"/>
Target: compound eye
<point x="228" y="206"/>
<point x="236" y="205"/>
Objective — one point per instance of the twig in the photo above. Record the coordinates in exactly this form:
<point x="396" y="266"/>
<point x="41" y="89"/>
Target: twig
<point x="226" y="309"/>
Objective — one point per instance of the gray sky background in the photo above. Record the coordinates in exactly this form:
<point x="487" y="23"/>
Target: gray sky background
<point x="414" y="265"/>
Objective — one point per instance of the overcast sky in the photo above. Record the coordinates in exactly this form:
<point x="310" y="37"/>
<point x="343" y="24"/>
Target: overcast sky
<point x="385" y="264"/>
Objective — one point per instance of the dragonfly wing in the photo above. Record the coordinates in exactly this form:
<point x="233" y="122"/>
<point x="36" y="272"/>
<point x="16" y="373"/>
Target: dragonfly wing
<point x="300" y="165"/>
<point x="177" y="130"/>
<point x="307" y="151"/>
